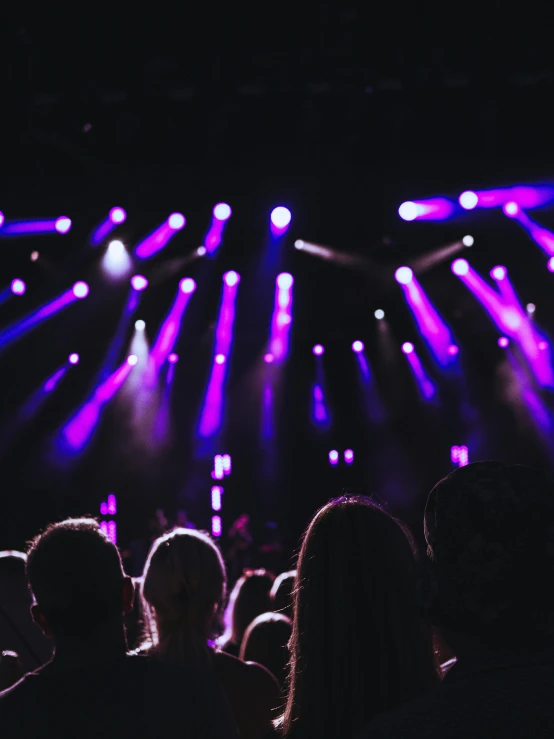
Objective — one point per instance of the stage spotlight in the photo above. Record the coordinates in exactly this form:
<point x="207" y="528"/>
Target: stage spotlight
<point x="63" y="224"/>
<point x="187" y="285"/>
<point x="284" y="281"/>
<point x="80" y="290"/>
<point x="231" y="278"/>
<point x="299" y="244"/>
<point x="138" y="283"/>
<point x="34" y="256"/>
<point x="1" y="218"/>
<point x="201" y="251"/>
<point x="358" y="346"/>
<point x="132" y="359"/>
<point x="468" y="240"/>
<point x="116" y="249"/>
<point x="220" y="359"/>
<point x="403" y="275"/>
<point x="73" y="358"/>
<point x="140" y="325"/>
<point x="460" y="267"/>
<point x="268" y="358"/>
<point x="333" y="457"/>
<point x="176" y="221"/>
<point x="468" y="200"/>
<point x="452" y="350"/>
<point x="407" y="347"/>
<point x="348" y="456"/>
<point x="117" y="215"/>
<point x="542" y="345"/>
<point x="503" y="342"/>
<point x="379" y="314"/>
<point x="222" y="212"/>
<point x="511" y="209"/>
<point x="318" y="350"/>
<point x="172" y="358"/>
<point x="281" y="217"/>
<point x="18" y="287"/>
<point x="551" y="264"/>
<point x="498" y="273"/>
<point x="531" y="308"/>
<point x="408" y="211"/>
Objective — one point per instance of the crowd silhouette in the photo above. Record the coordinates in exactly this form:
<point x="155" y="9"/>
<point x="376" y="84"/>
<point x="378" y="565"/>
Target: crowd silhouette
<point x="366" y="638"/>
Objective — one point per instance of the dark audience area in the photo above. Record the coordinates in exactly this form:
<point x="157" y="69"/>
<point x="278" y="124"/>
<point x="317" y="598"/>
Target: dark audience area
<point x="366" y="638"/>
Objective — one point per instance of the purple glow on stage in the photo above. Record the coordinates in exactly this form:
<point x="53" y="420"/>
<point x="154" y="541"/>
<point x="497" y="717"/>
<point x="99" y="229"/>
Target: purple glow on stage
<point x="112" y="505"/>
<point x="226" y="459"/>
<point x="167" y="335"/>
<point x="431" y="326"/>
<point x="281" y="217"/>
<point x="269" y="358"/>
<point x="115" y="217"/>
<point x="52" y="382"/>
<point x="1" y="218"/>
<point x="219" y="471"/>
<point x="211" y="416"/>
<point x="63" y="224"/>
<point x="156" y="241"/>
<point x="460" y="267"/>
<point x="357" y="347"/>
<point x="503" y="342"/>
<point x="214" y="237"/>
<point x="550" y="264"/>
<point x="432" y="209"/>
<point x="320" y="415"/>
<point x="374" y="407"/>
<point x="172" y="358"/>
<point x="498" y="273"/>
<point x="333" y="457"/>
<point x="318" y="350"/>
<point x="511" y="209"/>
<point x="468" y="200"/>
<point x="281" y="320"/>
<point x="103" y="508"/>
<point x="543" y="345"/>
<point x="349" y="456"/>
<point x="403" y="275"/>
<point x="139" y="283"/>
<point x="26" y="228"/>
<point x="222" y="212"/>
<point x="112" y="531"/>
<point x="217" y="492"/>
<point x="453" y="350"/>
<point x="73" y="358"/>
<point x="540" y="235"/>
<point x="80" y="290"/>
<point x="16" y="330"/>
<point x="132" y="360"/>
<point x="18" y="287"/>
<point x="78" y="431"/>
<point x="459" y="455"/>
<point x="217" y="528"/>
<point x="426" y="387"/>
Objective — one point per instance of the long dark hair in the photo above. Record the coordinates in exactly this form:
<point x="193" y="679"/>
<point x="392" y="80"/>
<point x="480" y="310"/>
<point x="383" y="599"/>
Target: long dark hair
<point x="358" y="646"/>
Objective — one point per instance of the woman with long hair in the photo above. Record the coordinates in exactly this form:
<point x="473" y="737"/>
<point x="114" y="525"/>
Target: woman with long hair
<point x="249" y="599"/>
<point x="183" y="593"/>
<point x="358" y="646"/>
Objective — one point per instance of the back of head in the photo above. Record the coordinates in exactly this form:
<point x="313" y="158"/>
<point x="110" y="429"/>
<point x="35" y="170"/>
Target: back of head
<point x="358" y="646"/>
<point x="282" y="591"/>
<point x="249" y="598"/>
<point x="184" y="586"/>
<point x="266" y="642"/>
<point x="490" y="558"/>
<point x="76" y="577"/>
<point x="13" y="580"/>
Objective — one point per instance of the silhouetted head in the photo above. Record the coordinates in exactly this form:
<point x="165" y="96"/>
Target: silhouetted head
<point x="184" y="586"/>
<point x="282" y="592"/>
<point x="358" y="646"/>
<point x="266" y="642"/>
<point x="13" y="580"/>
<point x="249" y="598"/>
<point x="77" y="580"/>
<point x="490" y="558"/>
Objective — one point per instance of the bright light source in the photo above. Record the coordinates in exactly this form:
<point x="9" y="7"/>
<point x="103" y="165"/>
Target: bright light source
<point x="220" y="358"/>
<point x="117" y="215"/>
<point x="116" y="261"/>
<point x="460" y="267"/>
<point x="298" y="244"/>
<point x="217" y="490"/>
<point x="551" y="264"/>
<point x="468" y="240"/>
<point x="281" y="217"/>
<point x="531" y="308"/>
<point x="403" y="275"/>
<point x="187" y="285"/>
<point x="18" y="287"/>
<point x="1" y="218"/>
<point x="542" y="345"/>
<point x="333" y="457"/>
<point x="284" y="281"/>
<point x="132" y="359"/>
<point x="63" y="224"/>
<point x="138" y="283"/>
<point x="222" y="212"/>
<point x="468" y="200"/>
<point x="358" y="346"/>
<point x="498" y="273"/>
<point x="231" y="278"/>
<point x="176" y="221"/>
<point x="379" y="314"/>
<point x="80" y="290"/>
<point x="510" y="209"/>
<point x="503" y="342"/>
<point x="172" y="358"/>
<point x="348" y="456"/>
<point x="74" y="358"/>
<point x="34" y="256"/>
<point x="116" y="248"/>
<point x="408" y="211"/>
<point x="201" y="251"/>
<point x="217" y="527"/>
<point x="318" y="350"/>
<point x="140" y="325"/>
<point x="407" y="347"/>
<point x="268" y="358"/>
<point x="453" y="350"/>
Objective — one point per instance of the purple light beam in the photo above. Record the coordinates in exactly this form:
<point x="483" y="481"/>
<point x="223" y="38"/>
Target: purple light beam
<point x="167" y="335"/>
<point x="157" y="240"/>
<point x="432" y="209"/>
<point x="540" y="235"/>
<point x="282" y="317"/>
<point x="115" y="217"/>
<point x="28" y="228"/>
<point x="426" y="387"/>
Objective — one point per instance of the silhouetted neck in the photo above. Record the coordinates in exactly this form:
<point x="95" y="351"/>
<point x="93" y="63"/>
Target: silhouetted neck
<point x="104" y="644"/>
